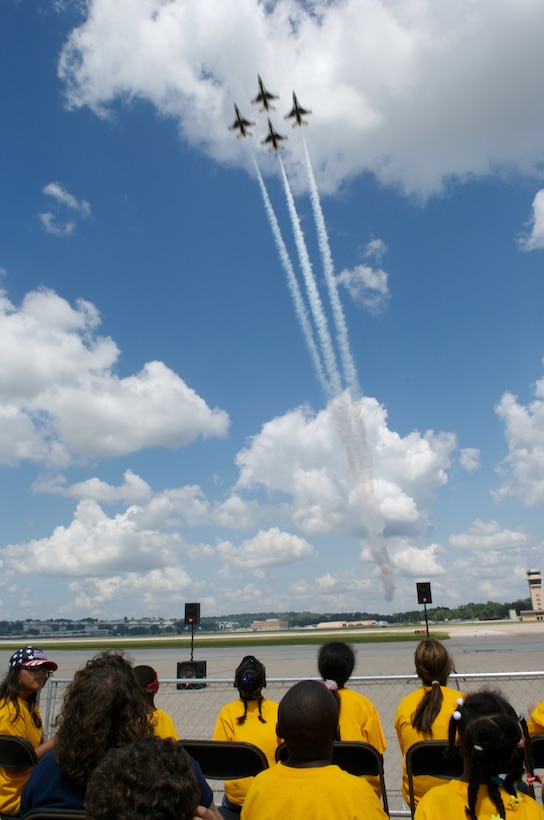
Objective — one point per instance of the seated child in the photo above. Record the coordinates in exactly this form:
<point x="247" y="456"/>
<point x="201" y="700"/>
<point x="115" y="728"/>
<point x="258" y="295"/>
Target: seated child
<point x="251" y="719"/>
<point x="151" y="778"/>
<point x="492" y="739"/>
<point x="425" y="713"/>
<point x="308" y="784"/>
<point x="148" y="681"/>
<point x="359" y="719"/>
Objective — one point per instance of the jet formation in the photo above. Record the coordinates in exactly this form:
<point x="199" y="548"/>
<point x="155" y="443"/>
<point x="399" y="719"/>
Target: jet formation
<point x="273" y="139"/>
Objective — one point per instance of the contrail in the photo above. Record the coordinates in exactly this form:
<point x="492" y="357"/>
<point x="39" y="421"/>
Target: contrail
<point x="300" y="307"/>
<point x="350" y="373"/>
<point x="349" y="418"/>
<point x="314" y="299"/>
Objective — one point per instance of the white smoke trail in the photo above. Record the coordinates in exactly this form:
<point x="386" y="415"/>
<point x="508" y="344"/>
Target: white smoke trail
<point x="350" y="372"/>
<point x="346" y="411"/>
<point x="300" y="308"/>
<point x="348" y="415"/>
<point x="314" y="299"/>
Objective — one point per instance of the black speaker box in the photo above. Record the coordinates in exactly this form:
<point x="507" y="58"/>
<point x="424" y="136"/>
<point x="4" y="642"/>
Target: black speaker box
<point x="190" y="671"/>
<point x="192" y="614"/>
<point x="424" y="592"/>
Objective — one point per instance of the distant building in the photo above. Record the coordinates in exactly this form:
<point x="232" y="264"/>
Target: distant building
<point x="269" y="625"/>
<point x="534" y="579"/>
<point x="345" y="624"/>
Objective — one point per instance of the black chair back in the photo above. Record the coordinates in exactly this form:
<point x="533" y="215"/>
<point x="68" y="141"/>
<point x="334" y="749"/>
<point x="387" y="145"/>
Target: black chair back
<point x="537" y="748"/>
<point x="428" y="757"/>
<point x="225" y="759"/>
<point x="16" y="751"/>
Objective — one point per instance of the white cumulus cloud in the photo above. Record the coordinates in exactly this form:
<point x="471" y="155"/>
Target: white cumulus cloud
<point x="60" y="397"/>
<point x="94" y="544"/>
<point x="483" y="536"/>
<point x="306" y="457"/>
<point x="266" y="549"/>
<point x="523" y="467"/>
<point x="389" y="91"/>
<point x="534" y="240"/>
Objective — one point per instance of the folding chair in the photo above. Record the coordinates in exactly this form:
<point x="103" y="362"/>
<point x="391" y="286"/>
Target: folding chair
<point x="353" y="756"/>
<point x="537" y="748"/>
<point x="537" y="751"/>
<point x="16" y="751"/>
<point x="226" y="760"/>
<point x="427" y="758"/>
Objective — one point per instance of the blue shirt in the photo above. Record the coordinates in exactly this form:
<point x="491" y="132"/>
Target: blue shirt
<point x="49" y="787"/>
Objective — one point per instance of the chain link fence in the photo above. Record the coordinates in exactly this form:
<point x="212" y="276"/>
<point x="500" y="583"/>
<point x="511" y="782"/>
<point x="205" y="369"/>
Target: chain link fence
<point x="194" y="710"/>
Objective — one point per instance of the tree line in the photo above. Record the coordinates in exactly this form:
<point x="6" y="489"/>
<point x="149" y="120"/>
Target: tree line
<point x="492" y="610"/>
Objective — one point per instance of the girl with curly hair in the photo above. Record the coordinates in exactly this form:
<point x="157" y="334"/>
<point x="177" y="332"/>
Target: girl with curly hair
<point x="103" y="708"/>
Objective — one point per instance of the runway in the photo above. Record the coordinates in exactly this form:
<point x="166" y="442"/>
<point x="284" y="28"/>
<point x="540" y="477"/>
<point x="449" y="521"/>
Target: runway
<point x="505" y="646"/>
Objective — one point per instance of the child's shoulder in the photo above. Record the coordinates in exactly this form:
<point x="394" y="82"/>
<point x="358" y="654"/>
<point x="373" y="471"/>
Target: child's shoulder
<point x="352" y="695"/>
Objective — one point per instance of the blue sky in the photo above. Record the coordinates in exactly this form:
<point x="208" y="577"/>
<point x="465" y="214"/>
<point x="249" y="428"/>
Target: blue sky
<point x="166" y="435"/>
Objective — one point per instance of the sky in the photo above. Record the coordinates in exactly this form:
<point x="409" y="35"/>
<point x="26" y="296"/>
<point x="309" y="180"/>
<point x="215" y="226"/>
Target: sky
<point x="293" y="380"/>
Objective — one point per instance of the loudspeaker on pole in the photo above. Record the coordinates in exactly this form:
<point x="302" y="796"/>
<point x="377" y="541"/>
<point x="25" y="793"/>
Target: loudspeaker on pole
<point x="192" y="614"/>
<point x="424" y="592"/>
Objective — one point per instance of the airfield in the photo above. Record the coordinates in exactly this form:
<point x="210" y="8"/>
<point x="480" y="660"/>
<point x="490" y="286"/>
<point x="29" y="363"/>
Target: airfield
<point x="477" y="647"/>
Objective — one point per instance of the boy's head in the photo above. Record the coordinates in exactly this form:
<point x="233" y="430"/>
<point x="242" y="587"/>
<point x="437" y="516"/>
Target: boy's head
<point x="336" y="661"/>
<point x="152" y="779"/>
<point x="308" y="720"/>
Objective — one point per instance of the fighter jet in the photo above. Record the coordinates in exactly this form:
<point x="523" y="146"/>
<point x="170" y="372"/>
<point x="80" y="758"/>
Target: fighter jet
<point x="264" y="97"/>
<point x="273" y="138"/>
<point x="241" y="124"/>
<point x="297" y="112"/>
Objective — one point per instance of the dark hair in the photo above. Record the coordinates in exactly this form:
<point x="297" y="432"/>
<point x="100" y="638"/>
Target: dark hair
<point x="103" y="708"/>
<point x="9" y="693"/>
<point x="433" y="665"/>
<point x="492" y="737"/>
<point x="250" y="679"/>
<point x="336" y="661"/>
<point x="151" y="778"/>
<point x="144" y="675"/>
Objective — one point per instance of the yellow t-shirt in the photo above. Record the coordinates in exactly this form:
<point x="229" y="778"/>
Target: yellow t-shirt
<point x="359" y="720"/>
<point x="163" y="725"/>
<point x="320" y="793"/>
<point x="535" y="724"/>
<point x="448" y="802"/>
<point x="253" y="731"/>
<point x="407" y="735"/>
<point x="13" y="780"/>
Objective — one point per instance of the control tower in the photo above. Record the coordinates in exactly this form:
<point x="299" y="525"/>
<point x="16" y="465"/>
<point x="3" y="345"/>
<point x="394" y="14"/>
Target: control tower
<point x="534" y="579"/>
